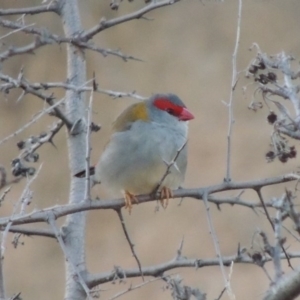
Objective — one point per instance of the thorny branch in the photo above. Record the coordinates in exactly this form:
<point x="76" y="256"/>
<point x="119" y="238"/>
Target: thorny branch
<point x="131" y="245"/>
<point x="44" y="37"/>
<point x="63" y="210"/>
<point x="103" y="24"/>
<point x="157" y="270"/>
<point x="51" y="7"/>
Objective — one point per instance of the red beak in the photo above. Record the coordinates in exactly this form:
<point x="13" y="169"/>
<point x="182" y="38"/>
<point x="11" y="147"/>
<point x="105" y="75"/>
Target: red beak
<point x="185" y="115"/>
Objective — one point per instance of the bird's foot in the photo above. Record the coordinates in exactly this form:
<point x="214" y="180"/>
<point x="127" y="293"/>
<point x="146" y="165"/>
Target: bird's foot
<point x="165" y="195"/>
<point x="129" y="198"/>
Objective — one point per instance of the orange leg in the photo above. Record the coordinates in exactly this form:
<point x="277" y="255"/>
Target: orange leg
<point x="165" y="195"/>
<point x="129" y="198"/>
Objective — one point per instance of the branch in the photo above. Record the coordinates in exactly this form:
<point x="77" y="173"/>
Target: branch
<point x="41" y="114"/>
<point x="63" y="210"/>
<point x="234" y="80"/>
<point x="28" y="49"/>
<point x="41" y="140"/>
<point x="49" y="38"/>
<point x="89" y="34"/>
<point x="132" y="288"/>
<point x="32" y="232"/>
<point x="157" y="270"/>
<point x="12" y="83"/>
<point x="287" y="288"/>
<point x="51" y="7"/>
<point x="28" y="89"/>
<point x="104" y="52"/>
<point x="216" y="246"/>
<point x="131" y="245"/>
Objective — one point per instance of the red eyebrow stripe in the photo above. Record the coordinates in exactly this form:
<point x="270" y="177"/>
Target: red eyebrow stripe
<point x="164" y="103"/>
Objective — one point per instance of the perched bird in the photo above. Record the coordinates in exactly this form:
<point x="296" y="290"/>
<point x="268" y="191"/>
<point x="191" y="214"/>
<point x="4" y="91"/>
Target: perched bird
<point x="147" y="151"/>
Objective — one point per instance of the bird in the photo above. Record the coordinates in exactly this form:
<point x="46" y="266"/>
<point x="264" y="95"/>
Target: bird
<point x="147" y="151"/>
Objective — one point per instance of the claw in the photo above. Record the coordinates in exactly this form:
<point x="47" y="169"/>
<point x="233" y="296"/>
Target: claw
<point x="129" y="198"/>
<point x="165" y="195"/>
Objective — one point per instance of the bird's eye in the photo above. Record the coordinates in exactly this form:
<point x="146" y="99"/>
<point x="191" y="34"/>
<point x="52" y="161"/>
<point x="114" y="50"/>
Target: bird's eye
<point x="170" y="111"/>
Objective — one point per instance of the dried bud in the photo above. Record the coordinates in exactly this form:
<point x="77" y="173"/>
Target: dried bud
<point x="21" y="145"/>
<point x="253" y="69"/>
<point x="17" y="167"/>
<point x="272" y="76"/>
<point x="293" y="152"/>
<point x="32" y="157"/>
<point x="95" y="127"/>
<point x="261" y="65"/>
<point x="270" y="155"/>
<point x="272" y="117"/>
<point x="263" y="79"/>
<point x="283" y="157"/>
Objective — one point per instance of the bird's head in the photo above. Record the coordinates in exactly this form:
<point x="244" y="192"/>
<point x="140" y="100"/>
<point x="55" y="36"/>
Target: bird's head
<point x="160" y="108"/>
<point x="164" y="106"/>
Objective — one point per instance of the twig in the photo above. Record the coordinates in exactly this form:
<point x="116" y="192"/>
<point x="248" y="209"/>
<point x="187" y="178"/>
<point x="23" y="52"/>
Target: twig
<point x="221" y="294"/>
<point x="24" y="201"/>
<point x="32" y="232"/>
<point x="15" y="31"/>
<point x="132" y="288"/>
<point x="41" y="140"/>
<point x="234" y="80"/>
<point x="169" y="165"/>
<point x="217" y="246"/>
<point x="278" y="246"/>
<point x="131" y="245"/>
<point x="258" y="190"/>
<point x="260" y="197"/>
<point x="87" y="35"/>
<point x="35" y="119"/>
<point x="52" y="7"/>
<point x="11" y="83"/>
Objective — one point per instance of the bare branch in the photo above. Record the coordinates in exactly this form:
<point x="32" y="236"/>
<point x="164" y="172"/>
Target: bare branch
<point x="63" y="210"/>
<point x="132" y="288"/>
<point x="278" y="246"/>
<point x="103" y="24"/>
<point x="103" y="51"/>
<point x="157" y="270"/>
<point x="234" y="80"/>
<point x="32" y="232"/>
<point x="35" y="119"/>
<point x="36" y="86"/>
<point x="46" y="37"/>
<point x="42" y="139"/>
<point x="51" y="7"/>
<point x="28" y="49"/>
<point x="169" y="166"/>
<point x="216" y="246"/>
<point x="288" y="288"/>
<point x="131" y="245"/>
